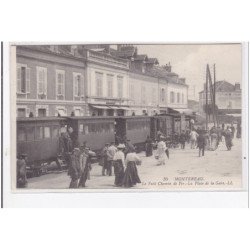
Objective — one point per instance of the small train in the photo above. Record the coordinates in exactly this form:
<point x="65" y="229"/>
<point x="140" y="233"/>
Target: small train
<point x="39" y="137"/>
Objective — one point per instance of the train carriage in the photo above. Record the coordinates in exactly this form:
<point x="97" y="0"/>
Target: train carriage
<point x="134" y="128"/>
<point x="96" y="131"/>
<point x="163" y="123"/>
<point x="39" y="138"/>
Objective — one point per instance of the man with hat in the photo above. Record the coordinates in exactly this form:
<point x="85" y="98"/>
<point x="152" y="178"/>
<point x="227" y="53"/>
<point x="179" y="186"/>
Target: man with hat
<point x="104" y="159"/>
<point x="21" y="171"/>
<point x="110" y="157"/>
<point x="74" y="169"/>
<point x="85" y="166"/>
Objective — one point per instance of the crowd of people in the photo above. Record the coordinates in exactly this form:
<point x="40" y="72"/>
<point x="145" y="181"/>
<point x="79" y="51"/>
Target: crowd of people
<point x="121" y="159"/>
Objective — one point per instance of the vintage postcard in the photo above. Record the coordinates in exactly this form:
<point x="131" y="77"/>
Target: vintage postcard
<point x="128" y="117"/>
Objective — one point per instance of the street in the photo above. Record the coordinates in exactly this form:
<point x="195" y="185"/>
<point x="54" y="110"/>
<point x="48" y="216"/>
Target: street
<point x="220" y="169"/>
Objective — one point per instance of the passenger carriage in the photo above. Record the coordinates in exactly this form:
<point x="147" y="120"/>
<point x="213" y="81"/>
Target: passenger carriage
<point x="95" y="131"/>
<point x="39" y="138"/>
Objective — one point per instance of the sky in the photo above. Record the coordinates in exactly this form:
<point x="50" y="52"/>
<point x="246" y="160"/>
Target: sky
<point x="189" y="61"/>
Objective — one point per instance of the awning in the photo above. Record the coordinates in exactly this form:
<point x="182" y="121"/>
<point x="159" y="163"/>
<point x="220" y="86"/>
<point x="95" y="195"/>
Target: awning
<point x="100" y="107"/>
<point x="234" y="115"/>
<point x="185" y="111"/>
<point x="117" y="107"/>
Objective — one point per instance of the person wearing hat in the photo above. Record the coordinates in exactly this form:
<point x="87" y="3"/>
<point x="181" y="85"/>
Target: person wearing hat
<point x="128" y="146"/>
<point x="85" y="166"/>
<point x="110" y="157"/>
<point x="74" y="169"/>
<point x="201" y="143"/>
<point x="149" y="146"/>
<point x="161" y="151"/>
<point x="104" y="159"/>
<point x="131" y="176"/>
<point x="21" y="177"/>
<point x="119" y="165"/>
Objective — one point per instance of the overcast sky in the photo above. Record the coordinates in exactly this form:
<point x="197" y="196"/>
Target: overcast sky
<point x="189" y="61"/>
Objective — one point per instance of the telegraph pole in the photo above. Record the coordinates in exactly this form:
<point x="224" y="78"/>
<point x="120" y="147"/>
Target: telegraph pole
<point x="206" y="89"/>
<point x="215" y="93"/>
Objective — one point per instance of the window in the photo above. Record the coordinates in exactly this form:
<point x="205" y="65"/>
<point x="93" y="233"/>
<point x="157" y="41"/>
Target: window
<point x="60" y="84"/>
<point x="178" y="97"/>
<point x="110" y="79"/>
<point x="54" y="131"/>
<point x="21" y="112"/>
<point x="41" y="112"/>
<point x="153" y="95"/>
<point x="21" y="135"/>
<point x="23" y="79"/>
<point x="46" y="132"/>
<point x="77" y="112"/>
<point x="30" y="133"/>
<point x="143" y="94"/>
<point x="39" y="133"/>
<point x="172" y="97"/>
<point x="81" y="128"/>
<point x="182" y="98"/>
<point x="77" y="80"/>
<point x="41" y="82"/>
<point x="132" y="96"/>
<point x="162" y="95"/>
<point x="120" y="86"/>
<point x="62" y="111"/>
<point x="99" y="83"/>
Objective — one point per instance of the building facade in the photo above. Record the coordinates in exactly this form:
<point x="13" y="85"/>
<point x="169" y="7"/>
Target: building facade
<point x="94" y="80"/>
<point x="50" y="82"/>
<point x="227" y="98"/>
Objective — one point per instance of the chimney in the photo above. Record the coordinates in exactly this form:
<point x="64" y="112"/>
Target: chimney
<point x="237" y="86"/>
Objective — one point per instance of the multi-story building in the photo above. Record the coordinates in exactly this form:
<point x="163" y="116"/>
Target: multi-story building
<point x="227" y="98"/>
<point x="94" y="80"/>
<point x="51" y="80"/>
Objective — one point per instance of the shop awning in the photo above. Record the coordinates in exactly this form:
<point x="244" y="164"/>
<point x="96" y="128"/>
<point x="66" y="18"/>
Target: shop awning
<point x="184" y="111"/>
<point x="234" y="115"/>
<point x="117" y="107"/>
<point x="100" y="107"/>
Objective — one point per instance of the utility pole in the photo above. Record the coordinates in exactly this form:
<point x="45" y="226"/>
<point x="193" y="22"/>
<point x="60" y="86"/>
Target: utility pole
<point x="215" y="93"/>
<point x="206" y="89"/>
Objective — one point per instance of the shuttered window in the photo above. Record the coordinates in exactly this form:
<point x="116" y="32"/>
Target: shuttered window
<point x="120" y="86"/>
<point x="41" y="81"/>
<point x="99" y="84"/>
<point x="110" y="80"/>
<point x="60" y="83"/>
<point x="23" y="79"/>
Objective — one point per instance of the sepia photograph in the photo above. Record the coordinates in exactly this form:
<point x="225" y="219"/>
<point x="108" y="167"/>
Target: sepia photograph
<point x="119" y="117"/>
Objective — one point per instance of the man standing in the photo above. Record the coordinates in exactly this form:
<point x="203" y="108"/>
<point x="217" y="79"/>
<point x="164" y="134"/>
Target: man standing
<point x="182" y="139"/>
<point x="228" y="138"/>
<point x="193" y="138"/>
<point x="104" y="159"/>
<point x="21" y="171"/>
<point x="74" y="168"/>
<point x="110" y="157"/>
<point x="201" y="143"/>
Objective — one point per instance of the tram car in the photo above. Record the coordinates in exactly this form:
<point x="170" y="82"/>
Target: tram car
<point x="95" y="131"/>
<point x="39" y="138"/>
<point x="134" y="128"/>
<point x="163" y="123"/>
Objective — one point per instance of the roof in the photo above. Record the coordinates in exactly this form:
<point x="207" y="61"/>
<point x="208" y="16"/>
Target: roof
<point x="223" y="86"/>
<point x="152" y="60"/>
<point x="141" y="58"/>
<point x="125" y="52"/>
<point x="46" y="118"/>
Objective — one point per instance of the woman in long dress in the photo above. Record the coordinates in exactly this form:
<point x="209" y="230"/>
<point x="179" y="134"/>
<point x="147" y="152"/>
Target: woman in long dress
<point x="214" y="141"/>
<point x="161" y="152"/>
<point x="131" y="176"/>
<point x="119" y="165"/>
